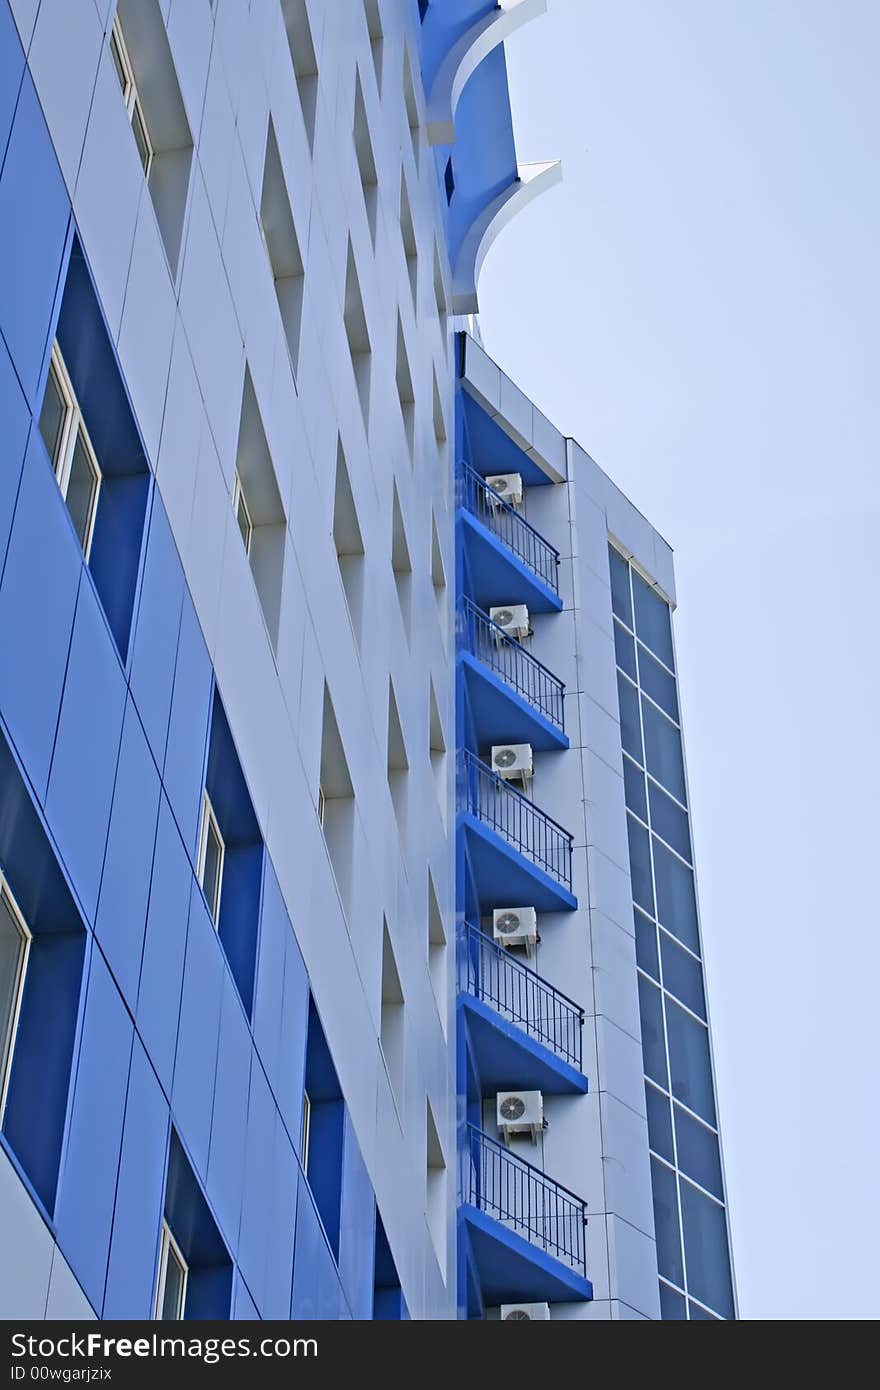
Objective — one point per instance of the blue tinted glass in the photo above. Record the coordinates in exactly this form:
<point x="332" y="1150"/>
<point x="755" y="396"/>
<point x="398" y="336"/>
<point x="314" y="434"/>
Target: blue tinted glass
<point x="689" y="1061"/>
<point x="682" y="975"/>
<point x="658" y="683"/>
<point x="634" y="789"/>
<point x="653" y="1050"/>
<point x="625" y="651"/>
<point x="699" y="1314"/>
<point x="663" y="750"/>
<point x="705" y="1243"/>
<point x="669" y="821"/>
<point x="646" y="944"/>
<point x="676" y="901"/>
<point x="620" y="599"/>
<point x="630" y="728"/>
<point x="659" y="1123"/>
<point x="652" y="621"/>
<point x="697" y="1152"/>
<point x="666" y="1222"/>
<point x="640" y="865"/>
<point x="671" y="1304"/>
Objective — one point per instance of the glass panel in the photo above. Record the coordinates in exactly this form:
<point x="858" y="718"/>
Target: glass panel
<point x="140" y="136"/>
<point x="666" y="1222"/>
<point x="82" y="490"/>
<point x="671" y="1304"/>
<point x="620" y="599"/>
<point x="52" y="416"/>
<point x="172" y="1302"/>
<point x="244" y="522"/>
<point x="659" y="1123"/>
<point x="12" y="949"/>
<point x="625" y="651"/>
<point x="682" y="975"/>
<point x="646" y="945"/>
<point x="118" y="64"/>
<point x="640" y="865"/>
<point x="213" y="864"/>
<point x="676" y="900"/>
<point x="698" y="1314"/>
<point x="705" y="1244"/>
<point x="698" y="1152"/>
<point x="630" y="728"/>
<point x="663" y="750"/>
<point x="657" y="682"/>
<point x="652" y="621"/>
<point x="653" y="1049"/>
<point x="634" y="789"/>
<point x="669" y="821"/>
<point x="689" y="1061"/>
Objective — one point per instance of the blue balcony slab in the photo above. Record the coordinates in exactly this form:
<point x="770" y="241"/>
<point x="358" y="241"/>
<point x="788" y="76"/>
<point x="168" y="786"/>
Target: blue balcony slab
<point x="500" y="714"/>
<point x="512" y="1270"/>
<point x="507" y="1058"/>
<point x="501" y="874"/>
<point x="496" y="574"/>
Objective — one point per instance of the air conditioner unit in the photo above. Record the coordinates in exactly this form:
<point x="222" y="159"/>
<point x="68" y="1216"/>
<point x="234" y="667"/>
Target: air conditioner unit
<point x="508" y="486"/>
<point x="513" y="761"/>
<point x="520" y="1112"/>
<point x="513" y="619"/>
<point x="515" y="926"/>
<point x="522" y="1312"/>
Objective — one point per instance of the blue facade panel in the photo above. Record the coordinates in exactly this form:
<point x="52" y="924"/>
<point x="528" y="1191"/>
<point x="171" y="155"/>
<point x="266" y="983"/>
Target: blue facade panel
<point x="37" y="604"/>
<point x="161" y="978"/>
<point x="185" y="751"/>
<point x="137" y="1215"/>
<point x="86" y="749"/>
<point x="316" y="1290"/>
<point x="34" y="217"/>
<point x="154" y="653"/>
<point x="128" y="862"/>
<point x="16" y="424"/>
<point x="91" y="1162"/>
<point x="198" y="1033"/>
<point x="228" y="1136"/>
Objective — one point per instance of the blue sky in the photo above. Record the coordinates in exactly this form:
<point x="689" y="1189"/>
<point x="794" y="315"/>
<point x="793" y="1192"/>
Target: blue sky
<point x="699" y="305"/>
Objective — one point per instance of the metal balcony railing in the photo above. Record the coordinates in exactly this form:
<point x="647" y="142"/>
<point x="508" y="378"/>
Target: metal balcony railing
<point x="489" y="972"/>
<point x="512" y="816"/>
<point x="485" y="640"/>
<point x="523" y="1199"/>
<point x="505" y="522"/>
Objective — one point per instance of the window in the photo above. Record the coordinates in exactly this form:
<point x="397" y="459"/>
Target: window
<point x="70" y="450"/>
<point x="242" y="515"/>
<point x="322" y="806"/>
<point x="424" y="5"/>
<point x="211" y="854"/>
<point x="171" y="1284"/>
<point x="449" y="180"/>
<point x="304" y="1132"/>
<point x="133" y="107"/>
<point x="15" y="940"/>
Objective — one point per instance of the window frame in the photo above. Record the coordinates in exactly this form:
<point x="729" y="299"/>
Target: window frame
<point x="239" y="499"/>
<point x="73" y="428"/>
<point x="305" y="1131"/>
<point x="209" y="822"/>
<point x="169" y="1247"/>
<point x="134" y="107"/>
<point x="322" y="805"/>
<point x="7" y="1042"/>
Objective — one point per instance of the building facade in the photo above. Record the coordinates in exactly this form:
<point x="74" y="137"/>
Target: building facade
<point x="325" y="765"/>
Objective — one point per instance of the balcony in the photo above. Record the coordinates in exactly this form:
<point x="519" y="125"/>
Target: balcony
<point x="524" y="1033"/>
<point x="515" y="852"/>
<point x="526" y="1231"/>
<point x="512" y="698"/>
<point x="508" y="560"/>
